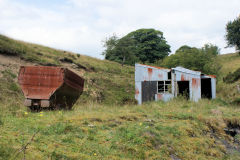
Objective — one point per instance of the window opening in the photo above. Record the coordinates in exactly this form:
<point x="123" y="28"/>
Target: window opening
<point x="164" y="86"/>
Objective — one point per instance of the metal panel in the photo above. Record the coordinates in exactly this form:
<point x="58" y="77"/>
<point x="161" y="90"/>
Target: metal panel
<point x="149" y="89"/>
<point x="163" y="96"/>
<point x="150" y="73"/>
<point x="45" y="103"/>
<point x="38" y="82"/>
<point x="138" y="92"/>
<point x="73" y="80"/>
<point x="213" y="81"/>
<point x="186" y="71"/>
<point x="196" y="89"/>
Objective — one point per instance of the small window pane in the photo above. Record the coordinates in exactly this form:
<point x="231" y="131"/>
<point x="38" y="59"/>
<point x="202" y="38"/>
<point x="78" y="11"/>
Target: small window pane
<point x="160" y="82"/>
<point x="160" y="86"/>
<point x="167" y="82"/>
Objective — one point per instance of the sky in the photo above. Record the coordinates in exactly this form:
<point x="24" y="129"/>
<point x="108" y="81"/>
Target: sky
<point x="81" y="26"/>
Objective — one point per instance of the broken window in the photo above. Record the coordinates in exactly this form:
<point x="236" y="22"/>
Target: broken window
<point x="164" y="86"/>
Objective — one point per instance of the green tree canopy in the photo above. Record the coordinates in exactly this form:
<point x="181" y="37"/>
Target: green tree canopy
<point x="211" y="49"/>
<point x="143" y="45"/>
<point x="233" y="33"/>
<point x="199" y="59"/>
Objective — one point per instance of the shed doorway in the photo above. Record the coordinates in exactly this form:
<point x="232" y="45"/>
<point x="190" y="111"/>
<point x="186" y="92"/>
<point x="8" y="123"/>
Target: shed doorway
<point x="149" y="89"/>
<point x="206" y="88"/>
<point x="183" y="88"/>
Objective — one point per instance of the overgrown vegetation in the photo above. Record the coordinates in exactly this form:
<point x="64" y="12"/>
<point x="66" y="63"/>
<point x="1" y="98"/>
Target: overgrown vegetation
<point x="179" y="128"/>
<point x="232" y="77"/>
<point x="228" y="91"/>
<point x="200" y="59"/>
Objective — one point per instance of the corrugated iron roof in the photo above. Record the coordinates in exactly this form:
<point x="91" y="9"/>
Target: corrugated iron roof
<point x="162" y="68"/>
<point x="188" y="71"/>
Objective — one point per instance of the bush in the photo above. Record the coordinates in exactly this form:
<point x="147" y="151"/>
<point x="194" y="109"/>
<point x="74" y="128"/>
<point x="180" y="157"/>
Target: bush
<point x="232" y="77"/>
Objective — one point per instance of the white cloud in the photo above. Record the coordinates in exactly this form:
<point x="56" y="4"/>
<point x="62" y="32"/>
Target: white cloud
<point x="81" y="25"/>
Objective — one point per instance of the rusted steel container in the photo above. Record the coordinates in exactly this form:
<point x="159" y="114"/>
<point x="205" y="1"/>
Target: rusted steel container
<point x="45" y="86"/>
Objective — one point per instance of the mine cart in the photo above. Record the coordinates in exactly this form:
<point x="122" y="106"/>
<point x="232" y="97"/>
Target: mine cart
<point x="52" y="87"/>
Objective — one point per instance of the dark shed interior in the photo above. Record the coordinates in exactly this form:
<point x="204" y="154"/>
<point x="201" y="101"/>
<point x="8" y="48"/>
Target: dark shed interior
<point x="183" y="88"/>
<point x="206" y="88"/>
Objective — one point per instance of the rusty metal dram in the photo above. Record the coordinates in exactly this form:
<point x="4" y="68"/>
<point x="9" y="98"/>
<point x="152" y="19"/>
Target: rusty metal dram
<point x="45" y="85"/>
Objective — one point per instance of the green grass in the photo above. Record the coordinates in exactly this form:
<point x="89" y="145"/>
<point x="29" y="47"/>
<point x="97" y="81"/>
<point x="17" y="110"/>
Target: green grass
<point x="92" y="131"/>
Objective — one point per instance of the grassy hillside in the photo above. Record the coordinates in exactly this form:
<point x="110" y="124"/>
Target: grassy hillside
<point x="229" y="92"/>
<point x="230" y="62"/>
<point x="105" y="123"/>
<point x="105" y="81"/>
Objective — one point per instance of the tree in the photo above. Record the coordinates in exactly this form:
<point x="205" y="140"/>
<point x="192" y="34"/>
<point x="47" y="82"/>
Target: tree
<point x="120" y="50"/>
<point x="199" y="59"/>
<point x="110" y="44"/>
<point x="143" y="45"/>
<point x="150" y="45"/>
<point x="211" y="49"/>
<point x="233" y="33"/>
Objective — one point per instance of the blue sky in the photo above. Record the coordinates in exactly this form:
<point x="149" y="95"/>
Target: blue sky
<point x="81" y="25"/>
<point x="51" y="4"/>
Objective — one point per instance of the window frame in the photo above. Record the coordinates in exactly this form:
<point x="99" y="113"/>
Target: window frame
<point x="164" y="86"/>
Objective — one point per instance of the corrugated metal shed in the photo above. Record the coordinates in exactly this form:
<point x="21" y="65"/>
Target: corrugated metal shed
<point x="156" y="83"/>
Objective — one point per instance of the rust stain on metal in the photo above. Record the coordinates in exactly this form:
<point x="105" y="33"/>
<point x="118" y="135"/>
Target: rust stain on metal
<point x="42" y="82"/>
<point x="183" y="78"/>
<point x="159" y="96"/>
<point x="160" y="76"/>
<point x="136" y="92"/>
<point x="195" y="82"/>
<point x="150" y="72"/>
<point x="212" y="76"/>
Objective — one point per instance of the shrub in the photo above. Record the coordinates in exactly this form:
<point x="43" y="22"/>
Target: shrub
<point x="232" y="77"/>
